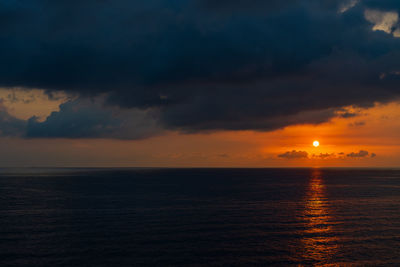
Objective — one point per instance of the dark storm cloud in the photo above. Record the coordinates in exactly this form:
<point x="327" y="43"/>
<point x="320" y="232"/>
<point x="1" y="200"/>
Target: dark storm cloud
<point x="382" y="4"/>
<point x="294" y="155"/>
<point x="88" y="119"/>
<point x="82" y="118"/>
<point x="240" y="5"/>
<point x="265" y="66"/>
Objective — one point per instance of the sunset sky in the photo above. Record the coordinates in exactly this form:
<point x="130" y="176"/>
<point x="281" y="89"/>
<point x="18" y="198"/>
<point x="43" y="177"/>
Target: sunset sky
<point x="201" y="83"/>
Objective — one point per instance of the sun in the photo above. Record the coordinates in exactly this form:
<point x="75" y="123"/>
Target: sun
<point x="316" y="144"/>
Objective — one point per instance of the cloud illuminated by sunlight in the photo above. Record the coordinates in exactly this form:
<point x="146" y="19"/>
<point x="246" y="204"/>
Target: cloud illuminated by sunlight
<point x="347" y="5"/>
<point x="23" y="104"/>
<point x="383" y="21"/>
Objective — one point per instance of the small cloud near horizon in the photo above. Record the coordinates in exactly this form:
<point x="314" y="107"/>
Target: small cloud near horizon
<point x="324" y="156"/>
<point x="361" y="154"/>
<point x="294" y="154"/>
<point x="357" y="124"/>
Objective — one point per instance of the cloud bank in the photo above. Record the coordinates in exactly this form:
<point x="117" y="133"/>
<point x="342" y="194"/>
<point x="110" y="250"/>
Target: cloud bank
<point x="82" y="118"/>
<point x="199" y="65"/>
<point x="361" y="154"/>
<point x="294" y="155"/>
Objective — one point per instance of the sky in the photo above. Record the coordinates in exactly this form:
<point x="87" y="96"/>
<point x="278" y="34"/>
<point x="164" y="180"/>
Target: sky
<point x="200" y="83"/>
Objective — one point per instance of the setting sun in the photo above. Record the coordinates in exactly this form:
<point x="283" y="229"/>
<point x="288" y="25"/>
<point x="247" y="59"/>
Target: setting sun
<point x="316" y="144"/>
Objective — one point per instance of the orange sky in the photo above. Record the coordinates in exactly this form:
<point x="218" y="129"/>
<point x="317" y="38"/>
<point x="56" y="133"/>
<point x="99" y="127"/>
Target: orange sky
<point x="376" y="130"/>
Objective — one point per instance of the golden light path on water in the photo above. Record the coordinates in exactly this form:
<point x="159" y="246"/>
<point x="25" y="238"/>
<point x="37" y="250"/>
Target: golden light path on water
<point x="319" y="242"/>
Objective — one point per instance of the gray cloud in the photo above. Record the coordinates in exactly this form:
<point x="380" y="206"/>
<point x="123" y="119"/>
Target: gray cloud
<point x="90" y="119"/>
<point x="259" y="65"/>
<point x="360" y="154"/>
<point x="294" y="154"/>
<point x="325" y="156"/>
<point x="82" y="118"/>
<point x="357" y="124"/>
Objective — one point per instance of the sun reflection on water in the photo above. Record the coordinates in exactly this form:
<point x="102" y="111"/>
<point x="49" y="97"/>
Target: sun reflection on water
<point x="319" y="242"/>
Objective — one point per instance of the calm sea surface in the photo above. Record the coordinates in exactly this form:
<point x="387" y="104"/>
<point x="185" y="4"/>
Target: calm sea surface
<point x="199" y="217"/>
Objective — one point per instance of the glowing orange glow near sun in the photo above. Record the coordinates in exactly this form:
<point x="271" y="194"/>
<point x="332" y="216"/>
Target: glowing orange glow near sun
<point x="316" y="144"/>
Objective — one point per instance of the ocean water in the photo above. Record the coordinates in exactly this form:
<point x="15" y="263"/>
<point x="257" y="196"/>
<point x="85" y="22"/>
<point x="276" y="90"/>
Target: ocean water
<point x="199" y="217"/>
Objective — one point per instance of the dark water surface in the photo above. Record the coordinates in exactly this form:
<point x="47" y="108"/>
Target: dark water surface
<point x="199" y="217"/>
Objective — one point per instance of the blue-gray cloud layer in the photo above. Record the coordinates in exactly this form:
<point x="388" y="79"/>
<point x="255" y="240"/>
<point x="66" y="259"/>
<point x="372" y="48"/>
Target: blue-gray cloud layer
<point x="89" y="119"/>
<point x="201" y="64"/>
<point x="82" y="118"/>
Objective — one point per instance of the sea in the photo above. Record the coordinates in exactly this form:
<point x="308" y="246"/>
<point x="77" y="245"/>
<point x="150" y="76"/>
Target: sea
<point x="199" y="217"/>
